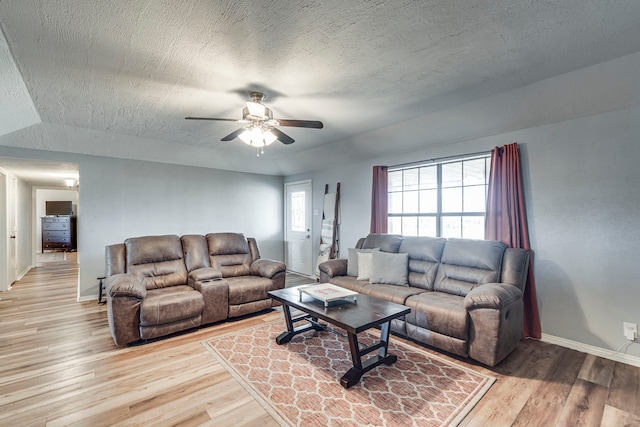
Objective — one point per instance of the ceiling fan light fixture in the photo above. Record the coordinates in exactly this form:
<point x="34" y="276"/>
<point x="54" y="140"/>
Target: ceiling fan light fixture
<point x="245" y="136"/>
<point x="269" y="137"/>
<point x="256" y="109"/>
<point x="261" y="128"/>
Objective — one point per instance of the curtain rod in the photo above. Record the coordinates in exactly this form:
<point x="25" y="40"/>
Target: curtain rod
<point x="440" y="159"/>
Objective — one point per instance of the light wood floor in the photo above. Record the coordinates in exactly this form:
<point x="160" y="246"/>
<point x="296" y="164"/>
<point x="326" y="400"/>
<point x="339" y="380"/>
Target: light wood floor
<point x="59" y="367"/>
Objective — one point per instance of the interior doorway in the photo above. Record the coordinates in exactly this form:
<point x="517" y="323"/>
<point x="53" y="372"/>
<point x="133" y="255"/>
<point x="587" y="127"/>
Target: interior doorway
<point x="298" y="227"/>
<point x="4" y="235"/>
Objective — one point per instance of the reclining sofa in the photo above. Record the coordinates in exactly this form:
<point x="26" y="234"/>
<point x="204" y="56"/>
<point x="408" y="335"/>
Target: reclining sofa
<point x="158" y="285"/>
<point x="465" y="295"/>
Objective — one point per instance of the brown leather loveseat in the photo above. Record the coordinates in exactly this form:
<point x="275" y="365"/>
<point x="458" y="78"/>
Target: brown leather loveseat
<point x="158" y="285"/>
<point x="465" y="295"/>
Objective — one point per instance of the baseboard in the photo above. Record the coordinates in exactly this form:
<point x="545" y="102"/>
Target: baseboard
<point x="590" y="349"/>
<point x="26" y="270"/>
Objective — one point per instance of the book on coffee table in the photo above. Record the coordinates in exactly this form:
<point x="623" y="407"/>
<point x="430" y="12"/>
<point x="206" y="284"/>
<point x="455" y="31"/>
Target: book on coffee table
<point x="326" y="292"/>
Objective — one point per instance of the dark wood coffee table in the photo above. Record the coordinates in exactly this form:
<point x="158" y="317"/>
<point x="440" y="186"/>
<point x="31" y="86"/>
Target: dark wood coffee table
<point x="354" y="317"/>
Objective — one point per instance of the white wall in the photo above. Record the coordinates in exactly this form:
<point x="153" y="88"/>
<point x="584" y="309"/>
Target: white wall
<point x="582" y="185"/>
<point x="24" y="252"/>
<point x="22" y="200"/>
<point x="43" y="195"/>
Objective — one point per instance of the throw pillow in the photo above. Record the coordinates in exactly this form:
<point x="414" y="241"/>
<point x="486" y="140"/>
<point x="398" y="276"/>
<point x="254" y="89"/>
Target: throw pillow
<point x="352" y="260"/>
<point x="364" y="265"/>
<point x="389" y="269"/>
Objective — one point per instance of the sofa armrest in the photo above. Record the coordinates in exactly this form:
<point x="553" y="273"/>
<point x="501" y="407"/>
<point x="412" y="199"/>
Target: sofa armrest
<point x="205" y="274"/>
<point x="124" y="298"/>
<point x="125" y="285"/>
<point x="215" y="291"/>
<point x="333" y="267"/>
<point x="492" y="295"/>
<point x="267" y="268"/>
<point x="495" y="321"/>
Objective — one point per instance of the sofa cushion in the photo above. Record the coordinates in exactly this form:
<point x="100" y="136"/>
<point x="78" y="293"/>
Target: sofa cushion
<point x="350" y="283"/>
<point x="365" y="261"/>
<point x="439" y="312"/>
<point x="393" y="293"/>
<point x="352" y="260"/>
<point x="246" y="289"/>
<point x="425" y="254"/>
<point x="172" y="304"/>
<point x="468" y="263"/>
<point x="196" y="253"/>
<point x="229" y="253"/>
<point x="156" y="260"/>
<point x="388" y="268"/>
<point x="386" y="242"/>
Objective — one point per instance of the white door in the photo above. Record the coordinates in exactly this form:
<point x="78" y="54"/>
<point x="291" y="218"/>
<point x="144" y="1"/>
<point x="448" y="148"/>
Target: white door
<point x="298" y="232"/>
<point x="13" y="229"/>
<point x="4" y="235"/>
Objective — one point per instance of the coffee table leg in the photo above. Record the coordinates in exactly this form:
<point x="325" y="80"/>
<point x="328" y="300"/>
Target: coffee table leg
<point x="354" y="374"/>
<point x="292" y="331"/>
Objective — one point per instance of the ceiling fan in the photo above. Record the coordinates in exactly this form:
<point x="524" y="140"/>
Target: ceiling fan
<point x="261" y="126"/>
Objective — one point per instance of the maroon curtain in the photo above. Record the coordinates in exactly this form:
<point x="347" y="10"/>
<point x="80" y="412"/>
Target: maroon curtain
<point x="506" y="221"/>
<point x="379" y="200"/>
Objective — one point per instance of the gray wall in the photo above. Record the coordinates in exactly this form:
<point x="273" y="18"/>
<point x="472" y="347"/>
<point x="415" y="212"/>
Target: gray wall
<point x="582" y="185"/>
<point x="126" y="198"/>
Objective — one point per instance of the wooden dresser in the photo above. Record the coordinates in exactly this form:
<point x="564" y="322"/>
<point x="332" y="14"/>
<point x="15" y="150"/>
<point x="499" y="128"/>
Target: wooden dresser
<point x="59" y="232"/>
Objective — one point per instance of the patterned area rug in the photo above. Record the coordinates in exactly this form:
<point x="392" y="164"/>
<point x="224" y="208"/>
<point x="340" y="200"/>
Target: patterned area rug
<point x="298" y="382"/>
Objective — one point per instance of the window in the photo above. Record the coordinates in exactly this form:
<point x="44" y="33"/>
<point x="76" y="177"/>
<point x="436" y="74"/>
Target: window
<point x="444" y="199"/>
<point x="298" y="211"/>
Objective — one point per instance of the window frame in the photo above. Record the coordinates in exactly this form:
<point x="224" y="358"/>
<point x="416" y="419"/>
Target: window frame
<point x="439" y="215"/>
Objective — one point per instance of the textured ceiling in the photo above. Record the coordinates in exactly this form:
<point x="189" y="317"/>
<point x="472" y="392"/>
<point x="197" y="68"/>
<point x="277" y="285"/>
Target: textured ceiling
<point x="108" y="71"/>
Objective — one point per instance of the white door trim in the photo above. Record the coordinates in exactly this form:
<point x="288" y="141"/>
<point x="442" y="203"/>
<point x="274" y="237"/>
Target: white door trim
<point x="4" y="231"/>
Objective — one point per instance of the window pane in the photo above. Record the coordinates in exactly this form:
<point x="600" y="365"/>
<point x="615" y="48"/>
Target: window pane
<point x="451" y="227"/>
<point x="410" y="204"/>
<point x="428" y="201"/>
<point x="473" y="227"/>
<point x="452" y="200"/>
<point x="428" y="177"/>
<point x="436" y="199"/>
<point x="394" y="181"/>
<point x="410" y="226"/>
<point x="394" y="203"/>
<point x="474" y="172"/>
<point x="452" y="175"/>
<point x="297" y="211"/>
<point x="474" y="198"/>
<point x="410" y="179"/>
<point x="427" y="226"/>
<point x="395" y="225"/>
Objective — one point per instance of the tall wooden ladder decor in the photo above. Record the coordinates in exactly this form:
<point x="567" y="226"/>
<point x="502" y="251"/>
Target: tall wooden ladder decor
<point x="329" y="247"/>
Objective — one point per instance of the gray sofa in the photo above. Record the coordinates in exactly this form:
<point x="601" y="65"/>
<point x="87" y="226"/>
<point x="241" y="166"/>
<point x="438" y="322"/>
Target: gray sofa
<point x="158" y="285"/>
<point x="465" y="295"/>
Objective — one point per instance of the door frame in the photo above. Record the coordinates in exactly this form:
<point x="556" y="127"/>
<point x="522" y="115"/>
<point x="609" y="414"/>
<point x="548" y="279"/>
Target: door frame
<point x="286" y="221"/>
<point x="4" y="231"/>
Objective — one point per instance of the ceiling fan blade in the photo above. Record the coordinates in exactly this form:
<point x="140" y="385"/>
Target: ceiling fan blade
<point x="301" y="123"/>
<point x="282" y="137"/>
<point x="211" y="118"/>
<point x="233" y="135"/>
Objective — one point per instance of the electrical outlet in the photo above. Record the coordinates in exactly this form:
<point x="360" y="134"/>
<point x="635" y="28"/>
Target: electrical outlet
<point x="630" y="330"/>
